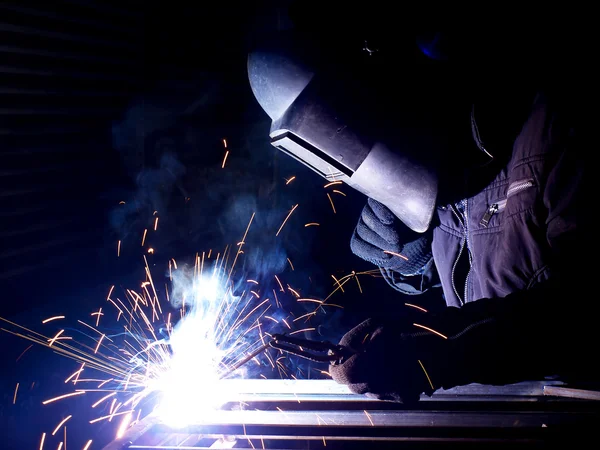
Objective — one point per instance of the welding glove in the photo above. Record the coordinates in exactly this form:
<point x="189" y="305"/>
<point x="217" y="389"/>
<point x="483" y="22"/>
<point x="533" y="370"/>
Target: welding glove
<point x="493" y="341"/>
<point x="379" y="231"/>
<point x="390" y="361"/>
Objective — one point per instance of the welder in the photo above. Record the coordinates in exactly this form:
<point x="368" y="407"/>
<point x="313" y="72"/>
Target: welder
<point x="473" y="173"/>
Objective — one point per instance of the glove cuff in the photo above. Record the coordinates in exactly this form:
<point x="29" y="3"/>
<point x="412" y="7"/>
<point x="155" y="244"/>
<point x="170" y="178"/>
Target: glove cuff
<point x="418" y="254"/>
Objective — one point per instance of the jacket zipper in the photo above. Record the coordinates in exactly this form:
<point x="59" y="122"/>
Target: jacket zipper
<point x="513" y="189"/>
<point x="462" y="218"/>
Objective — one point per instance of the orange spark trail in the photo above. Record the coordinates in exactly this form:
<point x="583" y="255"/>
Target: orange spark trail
<point x="225" y="159"/>
<point x="60" y="397"/>
<point x="416" y="307"/>
<point x="430" y="329"/>
<point x="60" y="424"/>
<point x="395" y="254"/>
<point x="331" y="201"/>
<point x="50" y="319"/>
<point x="286" y="219"/>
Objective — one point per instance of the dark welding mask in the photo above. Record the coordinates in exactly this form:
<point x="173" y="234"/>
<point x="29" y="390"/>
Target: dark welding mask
<point x="324" y="123"/>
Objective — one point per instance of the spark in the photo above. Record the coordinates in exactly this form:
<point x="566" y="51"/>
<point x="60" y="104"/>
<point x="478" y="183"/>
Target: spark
<point x="42" y="441"/>
<point x="286" y="219"/>
<point x="426" y="374"/>
<point x="430" y="329"/>
<point x="225" y="143"/>
<point x="416" y="307"/>
<point x="396" y="254"/>
<point x="331" y="201"/>
<point x="74" y="374"/>
<point x="111" y="415"/>
<point x="338" y="192"/>
<point x="50" y="319"/>
<point x="118" y="249"/>
<point x="155" y="224"/>
<point x="302" y="330"/>
<point x="225" y="159"/>
<point x="296" y="294"/>
<point x="57" y="336"/>
<point x="337" y="282"/>
<point x="105" y="382"/>
<point x="15" y="396"/>
<point x="252" y="281"/>
<point x="358" y="282"/>
<point x="97" y="314"/>
<point x="309" y="300"/>
<point x="290" y="262"/>
<point x="87" y="446"/>
<point x="106" y="397"/>
<point x="60" y="424"/>
<point x="332" y="184"/>
<point x="110" y="291"/>
<point x="144" y="236"/>
<point x="151" y="250"/>
<point x="121" y="202"/>
<point x="289" y="180"/>
<point x="369" y="417"/>
<point x="22" y="353"/>
<point x="60" y="397"/>
<point x="98" y="345"/>
<point x="312" y="224"/>
<point x="280" y="285"/>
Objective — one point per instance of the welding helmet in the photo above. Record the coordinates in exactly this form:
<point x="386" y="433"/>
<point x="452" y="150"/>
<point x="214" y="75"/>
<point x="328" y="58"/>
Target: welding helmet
<point x="336" y="128"/>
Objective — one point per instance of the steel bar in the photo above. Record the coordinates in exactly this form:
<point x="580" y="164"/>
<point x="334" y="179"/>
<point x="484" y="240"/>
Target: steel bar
<point x="280" y="414"/>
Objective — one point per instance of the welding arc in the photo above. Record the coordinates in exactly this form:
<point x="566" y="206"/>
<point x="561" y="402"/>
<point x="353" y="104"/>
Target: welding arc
<point x="244" y="360"/>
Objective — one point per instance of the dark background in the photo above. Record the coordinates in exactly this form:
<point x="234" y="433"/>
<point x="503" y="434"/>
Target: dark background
<point x="93" y="94"/>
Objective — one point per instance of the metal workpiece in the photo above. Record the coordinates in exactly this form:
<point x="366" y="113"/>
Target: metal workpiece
<point x="291" y="414"/>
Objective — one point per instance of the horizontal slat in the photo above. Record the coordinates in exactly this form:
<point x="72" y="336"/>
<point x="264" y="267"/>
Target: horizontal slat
<point x="41" y="130"/>
<point x="24" y="91"/>
<point x="41" y="33"/>
<point x="101" y="112"/>
<point x="35" y="228"/>
<point x="68" y="19"/>
<point x="40" y="72"/>
<point x="12" y="49"/>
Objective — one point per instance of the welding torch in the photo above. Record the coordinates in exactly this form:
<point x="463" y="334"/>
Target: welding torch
<point x="318" y="351"/>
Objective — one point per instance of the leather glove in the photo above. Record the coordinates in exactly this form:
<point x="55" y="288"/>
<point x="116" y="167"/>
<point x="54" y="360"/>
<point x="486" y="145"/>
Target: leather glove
<point x="379" y="230"/>
<point x="494" y="341"/>
<point x="392" y="360"/>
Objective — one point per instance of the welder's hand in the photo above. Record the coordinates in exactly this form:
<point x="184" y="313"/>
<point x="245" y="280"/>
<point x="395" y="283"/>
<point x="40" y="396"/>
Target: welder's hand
<point x="394" y="361"/>
<point x="379" y="237"/>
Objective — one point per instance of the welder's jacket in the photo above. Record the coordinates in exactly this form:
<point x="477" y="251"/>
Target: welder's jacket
<point x="506" y="238"/>
<point x="515" y="254"/>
